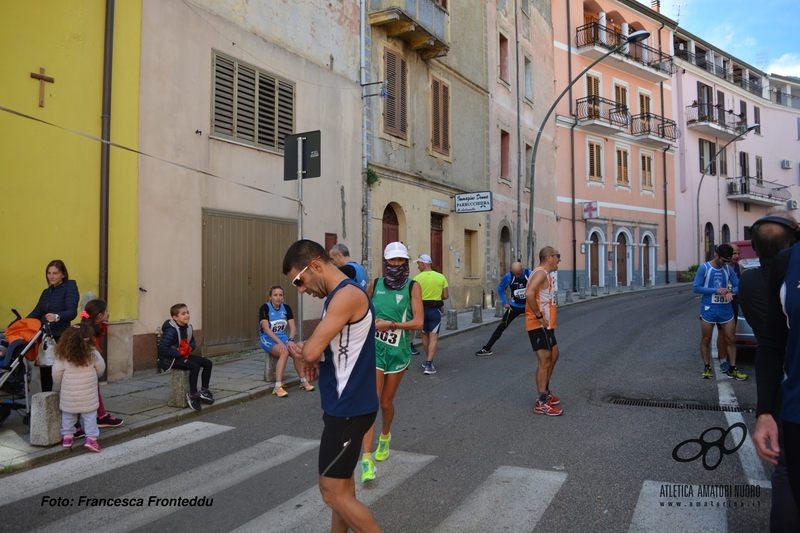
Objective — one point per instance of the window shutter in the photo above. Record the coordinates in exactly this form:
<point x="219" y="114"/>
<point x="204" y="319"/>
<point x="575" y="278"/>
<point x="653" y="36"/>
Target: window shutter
<point x="644" y="104"/>
<point x="445" y="119"/>
<point x="390" y="106"/>
<point x="245" y="104"/>
<point x="285" y="115"/>
<point x="595" y="171"/>
<point x="702" y="150"/>
<point x="223" y="96"/>
<point x="266" y="111"/>
<point x="402" y="98"/>
<point x="436" y="139"/>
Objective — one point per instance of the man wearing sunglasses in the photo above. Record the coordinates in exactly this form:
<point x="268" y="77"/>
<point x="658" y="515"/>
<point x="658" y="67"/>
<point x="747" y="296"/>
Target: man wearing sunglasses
<point x="540" y="321"/>
<point x="342" y="351"/>
<point x="717" y="282"/>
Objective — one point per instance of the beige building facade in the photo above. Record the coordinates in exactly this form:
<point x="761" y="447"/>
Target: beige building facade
<point x="426" y="136"/>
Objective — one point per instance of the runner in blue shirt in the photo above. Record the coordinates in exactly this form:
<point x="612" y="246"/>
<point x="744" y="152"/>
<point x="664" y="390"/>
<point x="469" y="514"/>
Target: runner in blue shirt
<point x="516" y="281"/>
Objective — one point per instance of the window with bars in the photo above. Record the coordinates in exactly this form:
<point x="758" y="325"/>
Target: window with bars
<point x="440" y="121"/>
<point x="395" y="110"/>
<point x="647" y="172"/>
<point x="622" y="168"/>
<point x="251" y="106"/>
<point x="595" y="161"/>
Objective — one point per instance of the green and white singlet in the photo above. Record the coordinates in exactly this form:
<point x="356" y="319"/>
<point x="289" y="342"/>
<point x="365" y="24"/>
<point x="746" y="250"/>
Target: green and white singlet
<point x="392" y="348"/>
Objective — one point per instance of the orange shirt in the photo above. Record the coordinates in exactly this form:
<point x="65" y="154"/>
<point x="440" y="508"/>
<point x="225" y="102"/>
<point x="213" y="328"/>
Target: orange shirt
<point x="545" y="300"/>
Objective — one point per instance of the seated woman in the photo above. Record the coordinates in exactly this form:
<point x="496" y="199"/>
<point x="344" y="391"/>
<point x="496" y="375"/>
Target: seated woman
<point x="275" y="318"/>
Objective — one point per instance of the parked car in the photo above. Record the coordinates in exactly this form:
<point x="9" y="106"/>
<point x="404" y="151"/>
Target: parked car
<point x="744" y="333"/>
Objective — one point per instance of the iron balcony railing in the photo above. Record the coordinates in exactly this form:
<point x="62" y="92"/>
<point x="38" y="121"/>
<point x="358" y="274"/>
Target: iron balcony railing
<point x="784" y="99"/>
<point x="748" y="84"/>
<point x="604" y="110"/>
<point x="595" y="34"/>
<point x="701" y="61"/>
<point x="651" y="124"/>
<point x="758" y="187"/>
<point x="707" y="112"/>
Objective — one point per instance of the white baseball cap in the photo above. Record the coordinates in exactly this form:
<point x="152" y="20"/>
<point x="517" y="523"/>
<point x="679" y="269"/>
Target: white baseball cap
<point x="425" y="258"/>
<point x="395" y="249"/>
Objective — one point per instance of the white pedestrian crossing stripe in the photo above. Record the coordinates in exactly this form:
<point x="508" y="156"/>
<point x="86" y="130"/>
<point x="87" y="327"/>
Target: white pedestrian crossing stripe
<point x="45" y="478"/>
<point x="213" y="478"/>
<point x="511" y="499"/>
<point x="655" y="512"/>
<point x="307" y="512"/>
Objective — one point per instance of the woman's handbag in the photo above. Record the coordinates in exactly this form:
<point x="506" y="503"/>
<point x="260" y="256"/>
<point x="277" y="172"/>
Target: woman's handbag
<point x="47" y="352"/>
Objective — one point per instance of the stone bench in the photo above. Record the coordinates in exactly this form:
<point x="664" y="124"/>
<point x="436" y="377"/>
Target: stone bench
<point x="45" y="419"/>
<point x="178" y="388"/>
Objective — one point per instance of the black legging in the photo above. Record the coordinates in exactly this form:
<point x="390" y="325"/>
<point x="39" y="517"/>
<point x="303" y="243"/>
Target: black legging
<point x="193" y="365"/>
<point x="508" y="317"/>
<point x="791" y="446"/>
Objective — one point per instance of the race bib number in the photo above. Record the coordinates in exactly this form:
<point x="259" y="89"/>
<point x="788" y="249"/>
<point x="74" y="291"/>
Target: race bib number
<point x="279" y="325"/>
<point x="519" y="294"/>
<point x="718" y="299"/>
<point x="392" y="338"/>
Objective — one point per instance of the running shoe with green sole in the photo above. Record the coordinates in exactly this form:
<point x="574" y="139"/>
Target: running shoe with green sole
<point x="707" y="373"/>
<point x="734" y="373"/>
<point x="383" y="448"/>
<point x="367" y="470"/>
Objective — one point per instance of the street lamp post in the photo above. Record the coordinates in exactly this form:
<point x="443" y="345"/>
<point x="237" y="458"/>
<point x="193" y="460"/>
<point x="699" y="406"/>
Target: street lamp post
<point x="705" y="170"/>
<point x="634" y="37"/>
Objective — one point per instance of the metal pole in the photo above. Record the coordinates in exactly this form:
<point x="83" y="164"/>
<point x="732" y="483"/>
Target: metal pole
<point x="539" y="136"/>
<point x="300" y="140"/>
<point x="705" y="170"/>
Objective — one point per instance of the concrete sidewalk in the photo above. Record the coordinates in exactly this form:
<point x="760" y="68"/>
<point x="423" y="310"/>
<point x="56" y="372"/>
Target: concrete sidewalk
<point x="142" y="400"/>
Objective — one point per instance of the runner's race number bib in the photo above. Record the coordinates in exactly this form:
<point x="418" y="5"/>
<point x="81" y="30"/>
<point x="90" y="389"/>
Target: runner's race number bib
<point x="519" y="294"/>
<point x="718" y="299"/>
<point x="392" y="338"/>
<point x="279" y="325"/>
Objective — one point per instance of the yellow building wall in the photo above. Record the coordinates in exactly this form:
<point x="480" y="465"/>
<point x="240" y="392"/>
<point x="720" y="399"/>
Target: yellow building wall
<point x="49" y="176"/>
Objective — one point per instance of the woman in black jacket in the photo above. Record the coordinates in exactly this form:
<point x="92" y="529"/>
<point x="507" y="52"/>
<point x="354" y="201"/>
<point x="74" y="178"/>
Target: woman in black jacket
<point x="58" y="306"/>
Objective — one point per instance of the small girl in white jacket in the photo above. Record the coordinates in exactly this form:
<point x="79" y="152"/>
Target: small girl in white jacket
<point x="78" y="365"/>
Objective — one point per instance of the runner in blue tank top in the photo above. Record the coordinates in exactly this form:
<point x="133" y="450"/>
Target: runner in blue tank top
<point x="342" y="351"/>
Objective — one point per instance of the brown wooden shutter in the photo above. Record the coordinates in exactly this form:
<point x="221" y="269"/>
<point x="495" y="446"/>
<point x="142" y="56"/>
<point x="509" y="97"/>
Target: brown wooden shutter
<point x="445" y="119"/>
<point x="402" y="99"/>
<point x="622" y="166"/>
<point x="644" y="104"/>
<point x="701" y="148"/>
<point x="436" y="139"/>
<point x="390" y="105"/>
<point x="223" y="96"/>
<point x="595" y="170"/>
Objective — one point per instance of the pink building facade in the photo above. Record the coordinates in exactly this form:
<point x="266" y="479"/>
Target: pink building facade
<point x="727" y="177"/>
<point x="616" y="142"/>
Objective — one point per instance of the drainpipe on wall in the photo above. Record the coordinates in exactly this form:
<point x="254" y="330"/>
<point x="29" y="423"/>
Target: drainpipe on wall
<point x="367" y="206"/>
<point x="519" y="137"/>
<point x="572" y="157"/>
<point x="664" y="161"/>
<point x="105" y="149"/>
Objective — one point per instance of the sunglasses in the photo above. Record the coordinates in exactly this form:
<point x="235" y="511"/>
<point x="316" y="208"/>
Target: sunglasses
<point x="297" y="282"/>
<point x="556" y="255"/>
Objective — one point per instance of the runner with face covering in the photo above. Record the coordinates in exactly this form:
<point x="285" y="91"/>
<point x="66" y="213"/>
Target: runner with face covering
<point x="398" y="310"/>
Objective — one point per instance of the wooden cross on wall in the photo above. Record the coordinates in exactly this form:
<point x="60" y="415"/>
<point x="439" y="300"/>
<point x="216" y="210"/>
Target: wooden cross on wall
<point x="42" y="79"/>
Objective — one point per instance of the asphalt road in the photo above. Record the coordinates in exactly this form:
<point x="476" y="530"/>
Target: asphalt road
<point x="468" y="454"/>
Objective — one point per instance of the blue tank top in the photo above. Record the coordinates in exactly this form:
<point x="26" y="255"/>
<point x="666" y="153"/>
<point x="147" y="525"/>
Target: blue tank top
<point x="278" y="321"/>
<point x="347" y="373"/>
<point x="790" y="298"/>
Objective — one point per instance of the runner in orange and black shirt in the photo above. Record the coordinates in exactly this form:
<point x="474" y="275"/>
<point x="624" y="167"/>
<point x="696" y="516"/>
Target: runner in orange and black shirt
<point x="540" y="321"/>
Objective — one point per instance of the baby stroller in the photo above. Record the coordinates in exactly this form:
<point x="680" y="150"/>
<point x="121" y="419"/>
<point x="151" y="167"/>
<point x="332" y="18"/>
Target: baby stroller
<point x="20" y="342"/>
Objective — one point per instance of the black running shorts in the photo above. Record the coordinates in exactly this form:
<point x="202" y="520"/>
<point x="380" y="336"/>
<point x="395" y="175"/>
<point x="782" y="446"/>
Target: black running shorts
<point x="340" y="445"/>
<point x="542" y="339"/>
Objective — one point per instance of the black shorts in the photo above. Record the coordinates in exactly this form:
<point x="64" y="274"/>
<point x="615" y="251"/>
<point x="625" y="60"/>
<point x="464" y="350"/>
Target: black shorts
<point x="340" y="445"/>
<point x="542" y="339"/>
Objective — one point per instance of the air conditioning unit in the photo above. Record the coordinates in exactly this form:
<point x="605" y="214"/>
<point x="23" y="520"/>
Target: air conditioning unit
<point x="786" y="163"/>
<point x="791" y="204"/>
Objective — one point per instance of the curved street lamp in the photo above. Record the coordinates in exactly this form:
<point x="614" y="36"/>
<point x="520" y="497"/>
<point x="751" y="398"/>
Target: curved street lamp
<point x="634" y="37"/>
<point x="705" y="170"/>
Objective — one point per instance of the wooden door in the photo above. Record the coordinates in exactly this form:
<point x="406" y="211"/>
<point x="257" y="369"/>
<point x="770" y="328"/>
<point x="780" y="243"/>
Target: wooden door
<point x="646" y="262"/>
<point x="331" y="239"/>
<point x="437" y="228"/>
<point x="505" y="252"/>
<point x="391" y="231"/>
<point x="622" y="260"/>
<point x="594" y="258"/>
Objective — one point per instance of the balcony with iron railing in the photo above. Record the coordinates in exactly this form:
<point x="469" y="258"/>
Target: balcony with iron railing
<point x="752" y="85"/>
<point x="701" y="61"/>
<point x="757" y="191"/>
<point x="593" y="40"/>
<point x="714" y="120"/>
<point x="602" y="115"/>
<point x="785" y="99"/>
<point x="423" y="24"/>
<point x="653" y="129"/>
